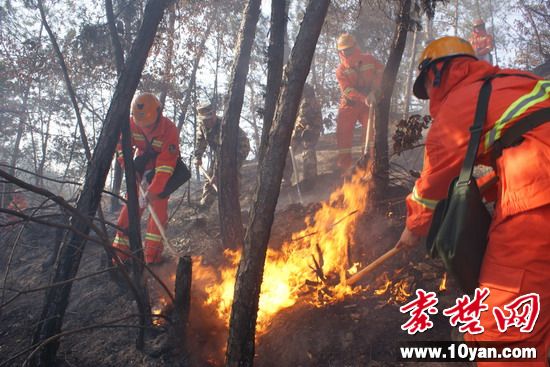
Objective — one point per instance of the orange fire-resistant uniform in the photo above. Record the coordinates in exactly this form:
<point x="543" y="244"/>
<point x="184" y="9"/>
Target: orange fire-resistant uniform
<point x="358" y="74"/>
<point x="517" y="259"/>
<point x="482" y="42"/>
<point x="18" y="202"/>
<point x="164" y="140"/>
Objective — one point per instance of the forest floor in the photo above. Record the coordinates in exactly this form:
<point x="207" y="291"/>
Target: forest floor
<point x="363" y="329"/>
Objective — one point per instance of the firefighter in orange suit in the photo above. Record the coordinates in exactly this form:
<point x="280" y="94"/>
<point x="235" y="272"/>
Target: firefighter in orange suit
<point x="18" y="202"/>
<point x="517" y="259"/>
<point x="359" y="76"/>
<point x="482" y="42"/>
<point x="155" y="140"/>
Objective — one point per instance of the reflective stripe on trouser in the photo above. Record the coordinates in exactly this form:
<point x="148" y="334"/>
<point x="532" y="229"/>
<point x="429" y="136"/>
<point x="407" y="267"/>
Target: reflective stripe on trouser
<point x="516" y="263"/>
<point x="345" y="123"/>
<point x="152" y="246"/>
<point x="153" y="241"/>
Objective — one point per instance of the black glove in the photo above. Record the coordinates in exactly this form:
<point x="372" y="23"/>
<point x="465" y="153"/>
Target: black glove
<point x="140" y="162"/>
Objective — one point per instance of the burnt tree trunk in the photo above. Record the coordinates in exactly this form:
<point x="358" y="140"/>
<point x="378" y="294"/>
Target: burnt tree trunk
<point x="182" y="302"/>
<point x="240" y="345"/>
<point x="57" y="298"/>
<point x="381" y="159"/>
<point x="119" y="63"/>
<point x="228" y="189"/>
<point x="134" y="232"/>
<point x="275" y="60"/>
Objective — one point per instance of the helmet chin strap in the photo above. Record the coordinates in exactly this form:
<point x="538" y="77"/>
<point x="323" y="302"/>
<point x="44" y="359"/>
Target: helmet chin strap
<point x="438" y="73"/>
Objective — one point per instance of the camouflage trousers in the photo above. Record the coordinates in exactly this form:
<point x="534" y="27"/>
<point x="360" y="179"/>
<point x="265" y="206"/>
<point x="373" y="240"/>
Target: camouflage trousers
<point x="209" y="193"/>
<point x="307" y="152"/>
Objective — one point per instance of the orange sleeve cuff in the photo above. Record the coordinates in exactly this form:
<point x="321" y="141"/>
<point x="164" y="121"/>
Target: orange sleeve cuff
<point x="419" y="218"/>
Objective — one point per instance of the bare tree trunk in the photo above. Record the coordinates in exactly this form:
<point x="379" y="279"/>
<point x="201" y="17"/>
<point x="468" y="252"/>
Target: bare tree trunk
<point x="456" y="19"/>
<point x="240" y="345"/>
<point x="20" y="130"/>
<point x="493" y="28"/>
<point x="167" y="72"/>
<point x="408" y="88"/>
<point x="254" y="122"/>
<point x="275" y="60"/>
<point x="57" y="298"/>
<point x="194" y="69"/>
<point x="134" y="232"/>
<point x="381" y="159"/>
<point x="226" y="161"/>
<point x="182" y="302"/>
<point x="45" y="138"/>
<point x="478" y="9"/>
<point x="119" y="62"/>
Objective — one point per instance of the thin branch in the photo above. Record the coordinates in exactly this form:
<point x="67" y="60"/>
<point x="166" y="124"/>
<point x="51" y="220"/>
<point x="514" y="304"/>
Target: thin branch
<point x="329" y="228"/>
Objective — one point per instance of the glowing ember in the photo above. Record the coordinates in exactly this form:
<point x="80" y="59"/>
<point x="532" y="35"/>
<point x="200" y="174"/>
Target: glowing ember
<point x="157" y="309"/>
<point x="401" y="291"/>
<point x="354" y="269"/>
<point x="384" y="288"/>
<point x="443" y="284"/>
<point x="301" y="267"/>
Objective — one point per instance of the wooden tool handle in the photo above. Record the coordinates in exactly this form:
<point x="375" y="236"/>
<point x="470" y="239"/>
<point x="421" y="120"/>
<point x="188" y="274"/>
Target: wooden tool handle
<point x="369" y="268"/>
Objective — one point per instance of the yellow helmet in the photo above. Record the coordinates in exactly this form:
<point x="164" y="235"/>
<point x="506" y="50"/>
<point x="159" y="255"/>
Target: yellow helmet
<point x="145" y="109"/>
<point x="345" y="41"/>
<point x="443" y="48"/>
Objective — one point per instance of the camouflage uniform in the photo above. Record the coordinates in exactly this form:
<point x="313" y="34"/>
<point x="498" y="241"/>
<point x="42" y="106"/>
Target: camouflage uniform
<point x="305" y="136"/>
<point x="211" y="137"/>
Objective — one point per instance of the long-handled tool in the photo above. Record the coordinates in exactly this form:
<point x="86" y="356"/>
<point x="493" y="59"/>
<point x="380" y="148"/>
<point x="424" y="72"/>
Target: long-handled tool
<point x="370" y="123"/>
<point x="157" y="222"/>
<point x="295" y="168"/>
<point x="375" y="264"/>
<point x="208" y="178"/>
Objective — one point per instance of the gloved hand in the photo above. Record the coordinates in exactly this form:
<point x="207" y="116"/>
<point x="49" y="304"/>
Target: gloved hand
<point x="140" y="162"/>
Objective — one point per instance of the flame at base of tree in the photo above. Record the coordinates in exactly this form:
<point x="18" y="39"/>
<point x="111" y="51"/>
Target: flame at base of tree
<point x="312" y="267"/>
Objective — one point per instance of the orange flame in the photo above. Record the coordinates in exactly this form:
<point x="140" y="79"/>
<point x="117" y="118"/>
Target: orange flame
<point x="443" y="284"/>
<point x="157" y="309"/>
<point x="313" y="256"/>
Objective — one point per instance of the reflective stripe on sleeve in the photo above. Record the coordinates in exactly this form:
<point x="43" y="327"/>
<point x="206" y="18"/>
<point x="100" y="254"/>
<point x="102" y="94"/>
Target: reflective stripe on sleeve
<point x="426" y="203"/>
<point x="165" y="169"/>
<point x="540" y="93"/>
